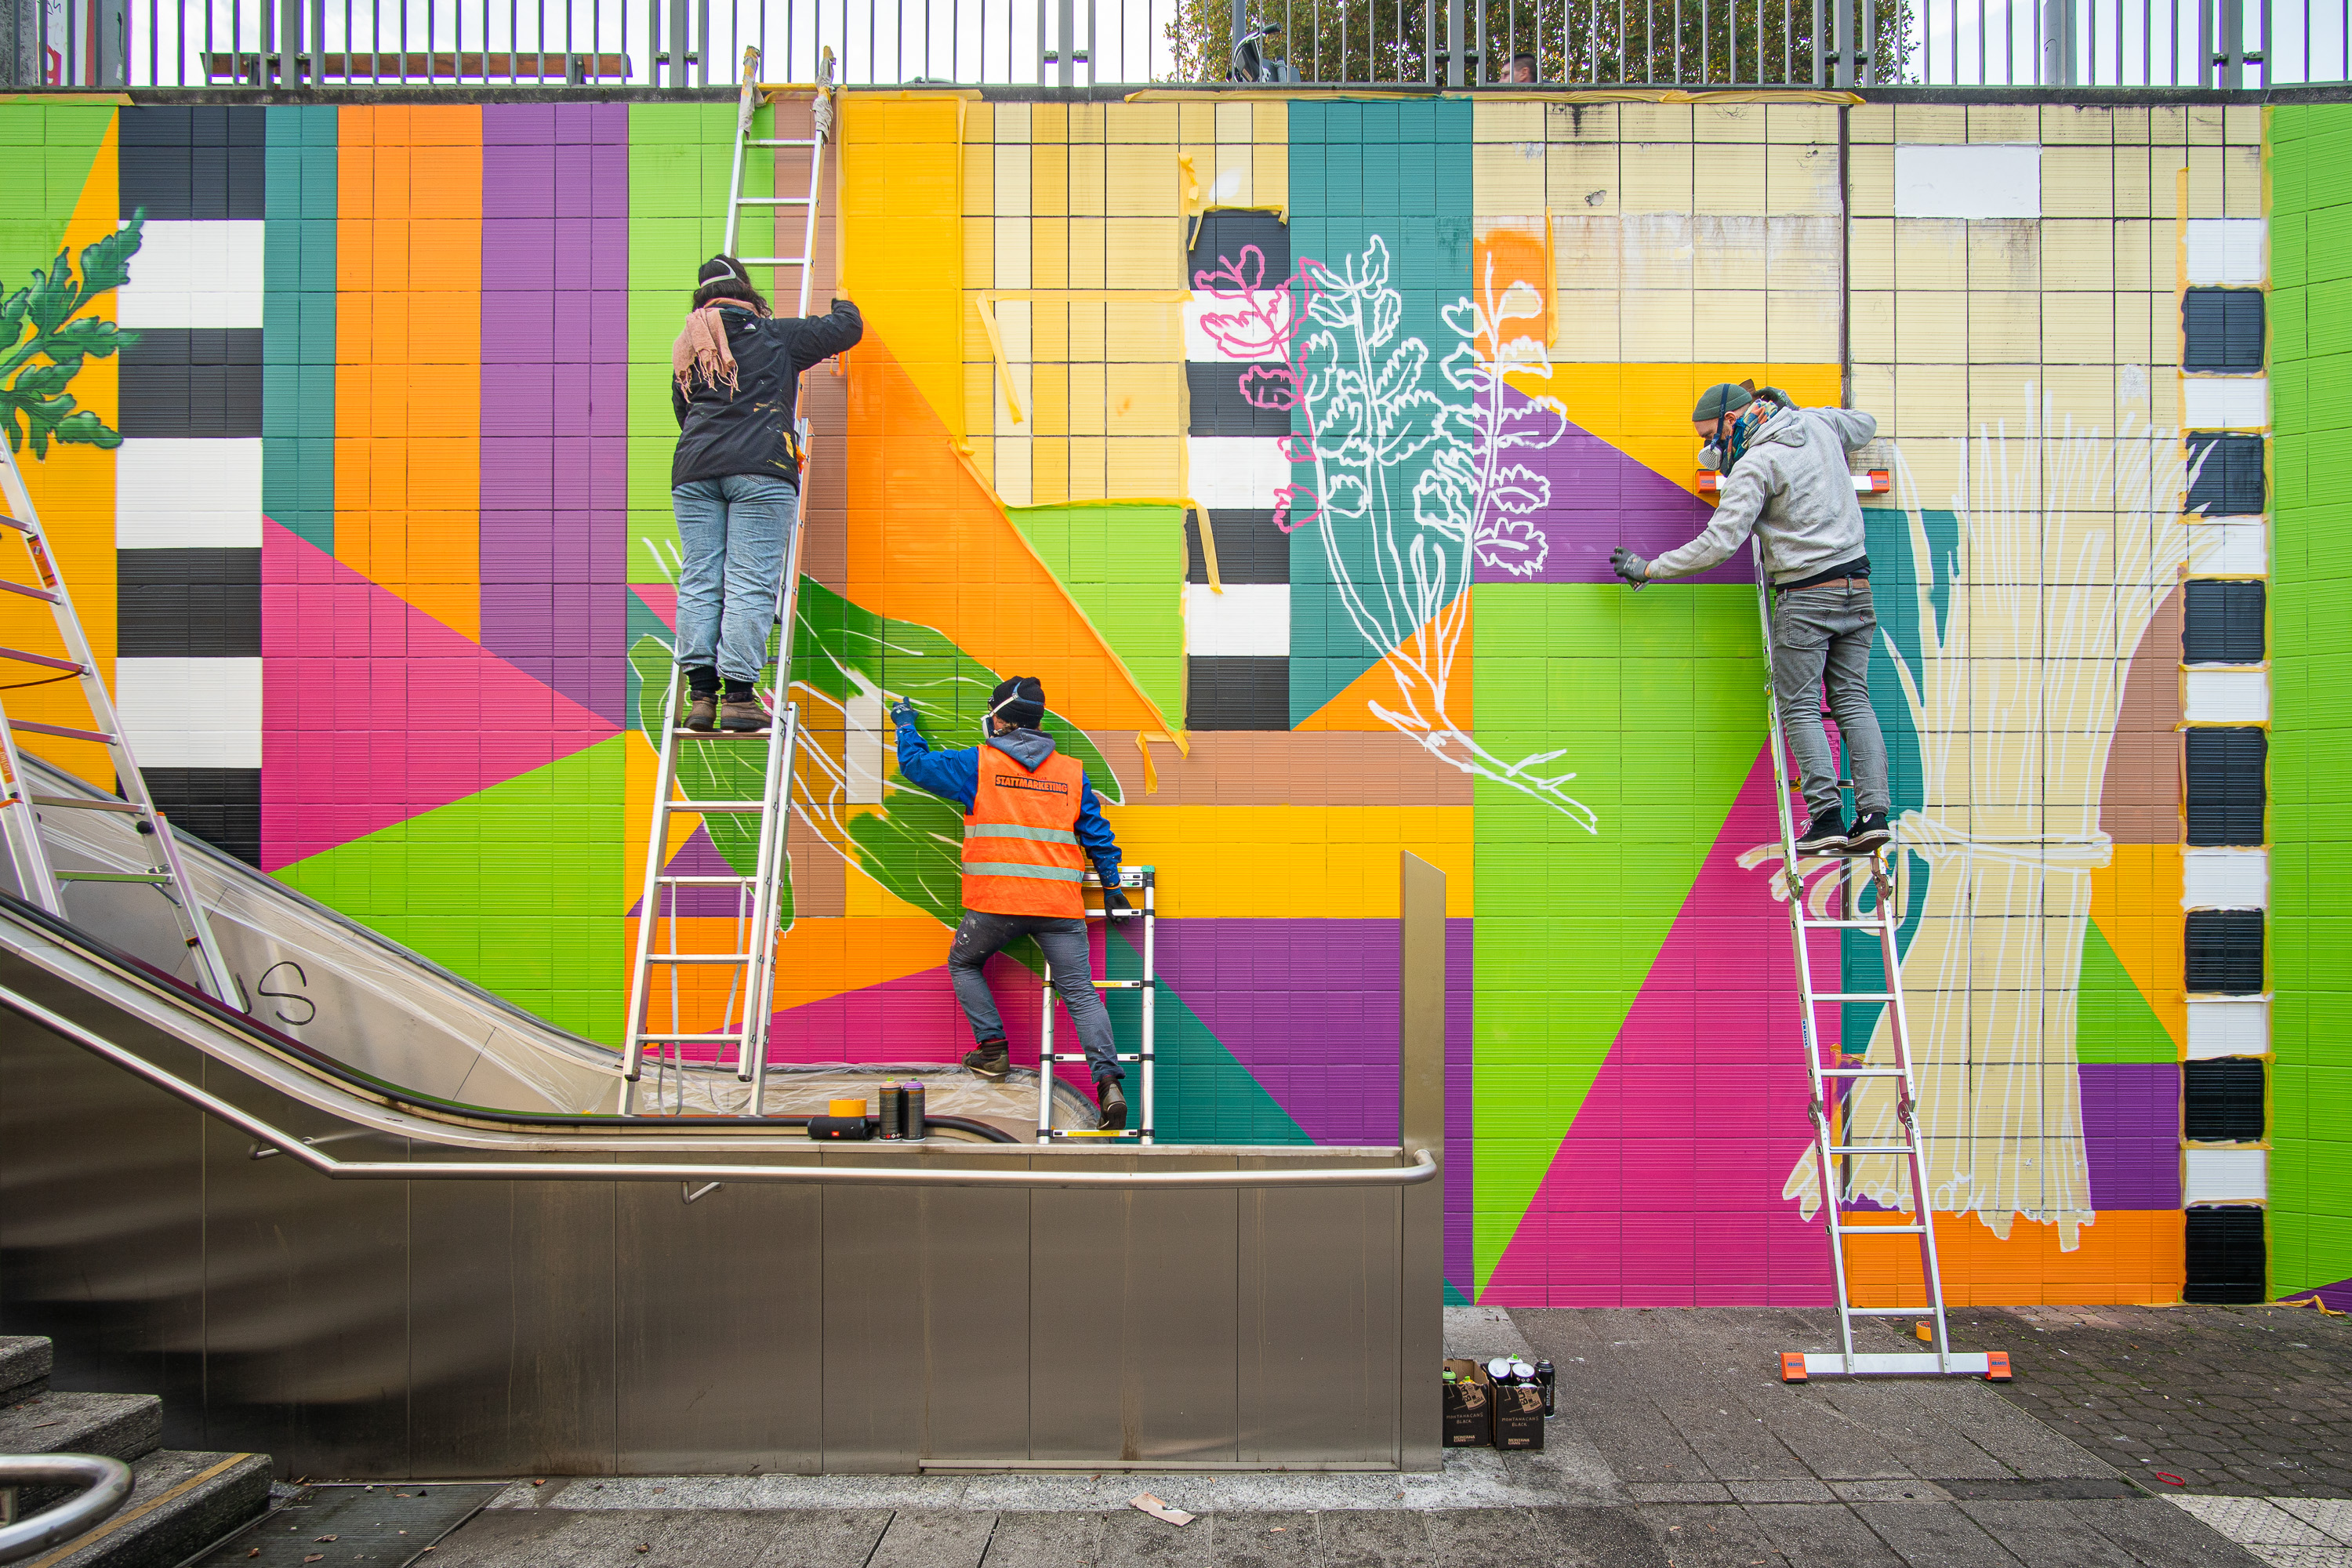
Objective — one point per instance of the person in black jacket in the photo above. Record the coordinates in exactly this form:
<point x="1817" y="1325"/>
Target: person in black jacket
<point x="735" y="479"/>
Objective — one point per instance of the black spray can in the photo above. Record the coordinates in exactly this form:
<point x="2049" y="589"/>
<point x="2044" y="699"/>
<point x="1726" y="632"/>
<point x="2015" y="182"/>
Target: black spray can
<point x="1499" y="1369"/>
<point x="914" y="1123"/>
<point x="891" y="1103"/>
<point x="1544" y="1381"/>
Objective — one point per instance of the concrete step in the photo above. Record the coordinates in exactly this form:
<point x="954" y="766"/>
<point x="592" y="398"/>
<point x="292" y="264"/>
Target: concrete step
<point x="24" y="1368"/>
<point x="181" y="1503"/>
<point x="119" y="1426"/>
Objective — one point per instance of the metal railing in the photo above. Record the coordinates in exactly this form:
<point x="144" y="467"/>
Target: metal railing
<point x="678" y="44"/>
<point x="105" y="1485"/>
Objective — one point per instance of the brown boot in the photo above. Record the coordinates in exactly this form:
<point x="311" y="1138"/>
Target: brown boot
<point x="744" y="715"/>
<point x="703" y="712"/>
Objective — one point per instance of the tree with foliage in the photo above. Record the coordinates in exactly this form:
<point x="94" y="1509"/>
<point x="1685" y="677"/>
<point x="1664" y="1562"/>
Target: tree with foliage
<point x="1605" y="43"/>
<point x="45" y="338"/>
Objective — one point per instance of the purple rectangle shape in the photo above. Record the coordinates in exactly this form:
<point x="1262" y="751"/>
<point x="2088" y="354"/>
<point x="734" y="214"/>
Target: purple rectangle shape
<point x="2131" y="1134"/>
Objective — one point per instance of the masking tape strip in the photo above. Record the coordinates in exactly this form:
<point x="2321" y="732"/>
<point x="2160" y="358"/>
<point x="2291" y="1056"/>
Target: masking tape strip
<point x="1150" y="774"/>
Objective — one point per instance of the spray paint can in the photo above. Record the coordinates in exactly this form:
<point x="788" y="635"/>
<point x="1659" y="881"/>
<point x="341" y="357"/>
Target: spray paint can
<point x="1499" y="1369"/>
<point x="1544" y="1381"/>
<point x="915" y="1125"/>
<point x="888" y="1103"/>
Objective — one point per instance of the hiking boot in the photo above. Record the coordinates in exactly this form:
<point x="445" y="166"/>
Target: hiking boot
<point x="1824" y="835"/>
<point x="1870" y="834"/>
<point x="702" y="713"/>
<point x="1111" y="1101"/>
<point x="990" y="1060"/>
<point x="744" y="716"/>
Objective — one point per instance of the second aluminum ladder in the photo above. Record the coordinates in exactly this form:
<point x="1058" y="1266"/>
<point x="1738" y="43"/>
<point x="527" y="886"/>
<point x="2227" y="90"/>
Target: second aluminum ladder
<point x="1832" y="1142"/>
<point x="736" y="1032"/>
<point x="1143" y="883"/>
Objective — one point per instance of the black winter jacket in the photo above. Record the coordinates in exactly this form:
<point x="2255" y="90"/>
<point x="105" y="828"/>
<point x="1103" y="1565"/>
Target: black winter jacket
<point x="721" y="433"/>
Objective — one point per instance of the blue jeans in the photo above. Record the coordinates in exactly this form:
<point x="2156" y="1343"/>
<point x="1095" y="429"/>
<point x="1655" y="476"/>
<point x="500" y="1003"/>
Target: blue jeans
<point x="734" y="531"/>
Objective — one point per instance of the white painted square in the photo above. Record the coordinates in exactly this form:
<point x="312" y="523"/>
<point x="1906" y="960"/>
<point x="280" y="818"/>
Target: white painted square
<point x="1253" y="321"/>
<point x="2225" y="402"/>
<point x="2240" y="1026"/>
<point x="194" y="275"/>
<point x="2229" y="547"/>
<point x="2214" y="878"/>
<point x="1248" y="618"/>
<point x="1241" y="472"/>
<point x="2225" y="1176"/>
<point x="2226" y="696"/>
<point x="1988" y="179"/>
<point x="2228" y="250"/>
<point x="191" y="712"/>
<point x="862" y="749"/>
<point x="187" y="494"/>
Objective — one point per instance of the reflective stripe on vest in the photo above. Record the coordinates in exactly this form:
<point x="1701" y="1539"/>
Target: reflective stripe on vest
<point x="1021" y="849"/>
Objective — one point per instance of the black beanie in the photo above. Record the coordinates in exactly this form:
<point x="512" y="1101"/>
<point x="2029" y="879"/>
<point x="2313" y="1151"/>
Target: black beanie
<point x="1018" y="703"/>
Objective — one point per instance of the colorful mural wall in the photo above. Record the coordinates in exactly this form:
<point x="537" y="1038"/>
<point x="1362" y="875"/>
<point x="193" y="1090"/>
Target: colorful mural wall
<point x="1287" y="441"/>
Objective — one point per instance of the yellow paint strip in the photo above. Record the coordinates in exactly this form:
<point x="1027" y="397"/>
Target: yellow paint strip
<point x="123" y="1519"/>
<point x="988" y="299"/>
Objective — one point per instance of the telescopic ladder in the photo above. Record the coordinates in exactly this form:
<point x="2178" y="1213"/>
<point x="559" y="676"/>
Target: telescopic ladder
<point x="1136" y="881"/>
<point x="1831" y="1148"/>
<point x="738" y="1034"/>
<point x="37" y="881"/>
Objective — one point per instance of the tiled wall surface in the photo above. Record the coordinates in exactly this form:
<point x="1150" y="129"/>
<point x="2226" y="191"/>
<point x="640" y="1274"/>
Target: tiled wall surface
<point x="1287" y="442"/>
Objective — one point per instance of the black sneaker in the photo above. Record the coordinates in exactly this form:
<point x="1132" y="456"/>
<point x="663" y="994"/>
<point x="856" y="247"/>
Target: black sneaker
<point x="1870" y="834"/>
<point x="990" y="1060"/>
<point x="1112" y="1100"/>
<point x="1822" y="835"/>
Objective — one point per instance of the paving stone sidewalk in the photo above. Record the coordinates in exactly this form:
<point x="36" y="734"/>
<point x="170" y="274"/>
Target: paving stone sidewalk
<point x="1677" y="1446"/>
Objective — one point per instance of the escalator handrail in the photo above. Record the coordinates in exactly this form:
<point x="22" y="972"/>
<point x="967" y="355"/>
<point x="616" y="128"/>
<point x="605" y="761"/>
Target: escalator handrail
<point x="1365" y="1173"/>
<point x="105" y="1483"/>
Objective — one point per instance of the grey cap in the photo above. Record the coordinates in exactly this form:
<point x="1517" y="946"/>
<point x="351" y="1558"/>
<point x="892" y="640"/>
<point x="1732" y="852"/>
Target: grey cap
<point x="1720" y="399"/>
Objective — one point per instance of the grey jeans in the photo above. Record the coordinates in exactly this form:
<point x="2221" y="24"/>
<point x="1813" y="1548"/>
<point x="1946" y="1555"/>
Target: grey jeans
<point x="1064" y="942"/>
<point x="1825" y="634"/>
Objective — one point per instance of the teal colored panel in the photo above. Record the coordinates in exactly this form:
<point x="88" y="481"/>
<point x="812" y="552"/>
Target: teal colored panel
<point x="1204" y="1095"/>
<point x="298" y="405"/>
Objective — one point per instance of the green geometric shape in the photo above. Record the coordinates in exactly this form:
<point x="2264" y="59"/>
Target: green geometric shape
<point x="2114" y="1022"/>
<point x="1123" y="564"/>
<point x="1657" y="699"/>
<point x="1203" y="1095"/>
<point x="519" y="888"/>
<point x="49" y="149"/>
<point x="680" y="158"/>
<point x="298" y="342"/>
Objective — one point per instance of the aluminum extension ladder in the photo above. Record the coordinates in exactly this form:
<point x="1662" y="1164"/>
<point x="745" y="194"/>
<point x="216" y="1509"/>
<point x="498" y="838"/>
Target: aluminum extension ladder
<point x="1829" y="1151"/>
<point x="39" y="882"/>
<point x="1135" y="880"/>
<point x="740" y="1033"/>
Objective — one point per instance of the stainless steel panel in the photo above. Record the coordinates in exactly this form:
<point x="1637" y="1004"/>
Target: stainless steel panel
<point x="1133" y="1343"/>
<point x="511" y="1329"/>
<point x="1421" y="1124"/>
<point x="721" y="1320"/>
<point x="1318" y="1324"/>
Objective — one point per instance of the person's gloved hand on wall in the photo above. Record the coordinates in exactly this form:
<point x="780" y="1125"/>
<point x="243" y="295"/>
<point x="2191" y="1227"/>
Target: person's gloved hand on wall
<point x="1629" y="566"/>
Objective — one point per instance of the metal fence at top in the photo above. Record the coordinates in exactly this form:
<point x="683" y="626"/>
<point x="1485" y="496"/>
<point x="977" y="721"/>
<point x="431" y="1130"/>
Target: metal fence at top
<point x="673" y="44"/>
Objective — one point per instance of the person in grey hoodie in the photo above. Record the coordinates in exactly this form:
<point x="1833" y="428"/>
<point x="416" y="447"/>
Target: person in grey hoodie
<point x="1785" y="478"/>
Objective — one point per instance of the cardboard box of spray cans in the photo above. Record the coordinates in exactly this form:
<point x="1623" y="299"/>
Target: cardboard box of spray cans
<point x="1522" y="1399"/>
<point x="1469" y="1408"/>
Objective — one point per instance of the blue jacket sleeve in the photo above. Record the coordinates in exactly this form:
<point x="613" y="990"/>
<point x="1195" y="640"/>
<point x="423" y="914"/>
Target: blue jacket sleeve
<point x="1094" y="833"/>
<point x="950" y="775"/>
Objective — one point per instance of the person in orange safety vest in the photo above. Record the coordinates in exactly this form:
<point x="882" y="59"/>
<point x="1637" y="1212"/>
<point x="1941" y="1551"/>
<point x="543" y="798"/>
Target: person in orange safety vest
<point x="1030" y="826"/>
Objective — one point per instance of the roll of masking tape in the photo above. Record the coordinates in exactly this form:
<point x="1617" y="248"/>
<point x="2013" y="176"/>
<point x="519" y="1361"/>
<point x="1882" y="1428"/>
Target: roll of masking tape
<point x="845" y="1108"/>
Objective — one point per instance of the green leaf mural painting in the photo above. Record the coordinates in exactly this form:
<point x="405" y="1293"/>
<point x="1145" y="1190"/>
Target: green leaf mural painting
<point x="44" y="339"/>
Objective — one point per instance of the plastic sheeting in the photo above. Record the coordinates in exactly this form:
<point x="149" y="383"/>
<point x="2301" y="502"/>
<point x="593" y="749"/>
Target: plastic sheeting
<point x="396" y="1017"/>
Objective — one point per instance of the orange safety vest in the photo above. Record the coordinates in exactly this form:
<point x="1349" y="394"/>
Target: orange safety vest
<point x="1020" y="850"/>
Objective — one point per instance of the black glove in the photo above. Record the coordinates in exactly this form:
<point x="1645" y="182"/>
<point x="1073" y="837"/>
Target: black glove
<point x="1114" y="899"/>
<point x="1628" y="565"/>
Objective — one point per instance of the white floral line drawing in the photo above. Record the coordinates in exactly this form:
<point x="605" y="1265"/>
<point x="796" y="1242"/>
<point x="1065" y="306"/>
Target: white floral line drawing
<point x="1355" y="387"/>
<point x="2068" y="543"/>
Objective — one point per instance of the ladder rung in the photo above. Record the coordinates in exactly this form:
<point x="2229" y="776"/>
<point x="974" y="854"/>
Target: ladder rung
<point x="1811" y="924"/>
<point x="62" y="733"/>
<point x="6" y="522"/>
<point x="775" y="261"/>
<point x="113" y="876"/>
<point x="697" y="958"/>
<point x="1862" y="1072"/>
<point x="704" y="881"/>
<point x="1887" y="1311"/>
<point x="771" y="201"/>
<point x="75" y="803"/>
<point x="679" y="1039"/>
<point x="1870" y="1149"/>
<point x="1081" y="1055"/>
<point x="780" y="141"/>
<point x="41" y="659"/>
<point x="1122" y="984"/>
<point x="41" y="593"/>
<point x="701" y="805"/>
<point x="1821" y="996"/>
<point x="1877" y="1229"/>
